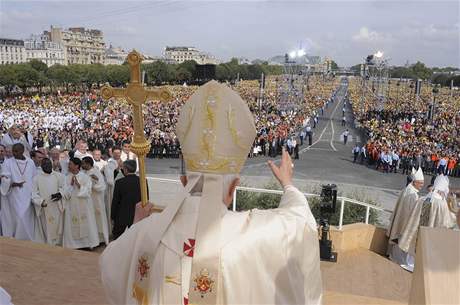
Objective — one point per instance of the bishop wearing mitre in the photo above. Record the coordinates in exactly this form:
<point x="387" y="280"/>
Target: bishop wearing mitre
<point x="401" y="214"/>
<point x="197" y="251"/>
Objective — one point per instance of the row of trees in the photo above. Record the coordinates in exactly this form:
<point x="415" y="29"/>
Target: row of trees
<point x="35" y="74"/>
<point x="441" y="76"/>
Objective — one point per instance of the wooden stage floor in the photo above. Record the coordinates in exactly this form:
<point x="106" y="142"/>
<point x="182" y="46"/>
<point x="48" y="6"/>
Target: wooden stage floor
<point x="35" y="274"/>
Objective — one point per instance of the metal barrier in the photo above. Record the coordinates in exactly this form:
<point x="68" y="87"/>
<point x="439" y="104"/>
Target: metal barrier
<point x="342" y="200"/>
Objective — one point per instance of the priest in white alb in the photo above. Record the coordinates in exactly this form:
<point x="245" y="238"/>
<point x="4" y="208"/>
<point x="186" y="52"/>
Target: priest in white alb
<point x="111" y="174"/>
<point x="400" y="217"/>
<point x="80" y="228"/>
<point x="97" y="196"/>
<point x="197" y="251"/>
<point x="49" y="209"/>
<point x="17" y="215"/>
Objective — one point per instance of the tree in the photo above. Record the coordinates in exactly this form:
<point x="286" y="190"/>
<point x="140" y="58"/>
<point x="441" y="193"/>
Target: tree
<point x="96" y="74"/>
<point x="117" y="75"/>
<point x="26" y="76"/>
<point x="334" y="65"/>
<point x="421" y="71"/>
<point x="38" y="65"/>
<point x="7" y="77"/>
<point x="183" y="75"/>
<point x="159" y="72"/>
<point x="188" y="67"/>
<point x="61" y="75"/>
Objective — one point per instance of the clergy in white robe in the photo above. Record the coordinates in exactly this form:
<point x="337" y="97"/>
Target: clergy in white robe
<point x="198" y="252"/>
<point x="49" y="210"/>
<point x="98" y="161"/>
<point x="432" y="211"/>
<point x="111" y="174"/>
<point x="17" y="215"/>
<point x="97" y="196"/>
<point x="16" y="135"/>
<point x="403" y="209"/>
<point x="80" y="228"/>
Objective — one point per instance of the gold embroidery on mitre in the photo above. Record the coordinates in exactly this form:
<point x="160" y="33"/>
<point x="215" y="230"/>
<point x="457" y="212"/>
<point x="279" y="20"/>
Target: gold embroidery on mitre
<point x="207" y="154"/>
<point x="231" y="126"/>
<point x="216" y="165"/>
<point x="191" y="114"/>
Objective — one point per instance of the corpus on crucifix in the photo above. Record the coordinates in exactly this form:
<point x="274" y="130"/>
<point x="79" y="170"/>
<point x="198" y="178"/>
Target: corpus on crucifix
<point x="136" y="95"/>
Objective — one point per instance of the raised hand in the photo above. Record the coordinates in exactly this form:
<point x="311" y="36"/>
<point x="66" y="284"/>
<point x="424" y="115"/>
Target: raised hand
<point x="283" y="172"/>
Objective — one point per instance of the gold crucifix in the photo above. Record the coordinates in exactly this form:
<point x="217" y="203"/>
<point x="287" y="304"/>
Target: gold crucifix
<point x="137" y="95"/>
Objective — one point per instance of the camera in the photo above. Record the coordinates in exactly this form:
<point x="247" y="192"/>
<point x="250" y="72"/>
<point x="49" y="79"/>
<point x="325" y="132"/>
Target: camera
<point x="328" y="206"/>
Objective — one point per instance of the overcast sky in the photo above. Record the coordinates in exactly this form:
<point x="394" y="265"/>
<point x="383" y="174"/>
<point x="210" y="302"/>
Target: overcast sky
<point x="347" y="31"/>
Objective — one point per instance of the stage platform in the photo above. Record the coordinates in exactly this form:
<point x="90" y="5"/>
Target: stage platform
<point x="38" y="274"/>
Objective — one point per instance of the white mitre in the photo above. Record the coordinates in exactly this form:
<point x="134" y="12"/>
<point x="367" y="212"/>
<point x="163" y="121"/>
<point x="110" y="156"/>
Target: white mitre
<point x="441" y="184"/>
<point x="216" y="130"/>
<point x="412" y="173"/>
<point x="418" y="176"/>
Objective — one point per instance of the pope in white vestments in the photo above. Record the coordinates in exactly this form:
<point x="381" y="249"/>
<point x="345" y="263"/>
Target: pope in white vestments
<point x="47" y="198"/>
<point x="80" y="228"/>
<point x="197" y="251"/>
<point x="97" y="196"/>
<point x="401" y="214"/>
<point x="17" y="215"/>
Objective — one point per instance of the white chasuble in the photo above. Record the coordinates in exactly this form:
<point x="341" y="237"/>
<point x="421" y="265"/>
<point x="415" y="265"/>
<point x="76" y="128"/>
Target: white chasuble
<point x="17" y="215"/>
<point x="80" y="228"/>
<point x="49" y="225"/>
<point x="403" y="209"/>
<point x="265" y="257"/>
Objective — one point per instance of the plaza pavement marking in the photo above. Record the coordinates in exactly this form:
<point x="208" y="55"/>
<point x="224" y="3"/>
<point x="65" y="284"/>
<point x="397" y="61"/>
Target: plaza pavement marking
<point x="324" y="129"/>
<point x="311" y="146"/>
<point x="317" y="148"/>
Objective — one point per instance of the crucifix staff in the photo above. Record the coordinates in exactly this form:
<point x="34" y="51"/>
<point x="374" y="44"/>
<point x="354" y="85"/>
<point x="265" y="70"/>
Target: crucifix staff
<point x="136" y="95"/>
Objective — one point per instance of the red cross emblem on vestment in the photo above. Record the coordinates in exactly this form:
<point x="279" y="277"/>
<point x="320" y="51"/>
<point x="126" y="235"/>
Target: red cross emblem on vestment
<point x="189" y="246"/>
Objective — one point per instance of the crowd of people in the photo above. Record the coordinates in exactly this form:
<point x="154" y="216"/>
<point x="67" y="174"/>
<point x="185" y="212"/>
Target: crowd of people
<point x="406" y="130"/>
<point x="65" y="152"/>
<point x="60" y="120"/>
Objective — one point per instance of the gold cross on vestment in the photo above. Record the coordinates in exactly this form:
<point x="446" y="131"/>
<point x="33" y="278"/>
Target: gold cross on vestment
<point x="136" y="95"/>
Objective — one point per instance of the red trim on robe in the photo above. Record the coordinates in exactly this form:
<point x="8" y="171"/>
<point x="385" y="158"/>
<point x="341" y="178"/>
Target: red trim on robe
<point x="189" y="247"/>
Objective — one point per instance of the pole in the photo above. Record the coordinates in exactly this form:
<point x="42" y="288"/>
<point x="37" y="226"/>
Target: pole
<point x="234" y="201"/>
<point x="342" y="206"/>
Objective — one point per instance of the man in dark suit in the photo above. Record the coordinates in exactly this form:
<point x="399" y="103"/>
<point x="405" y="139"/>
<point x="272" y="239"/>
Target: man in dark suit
<point x="126" y="194"/>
